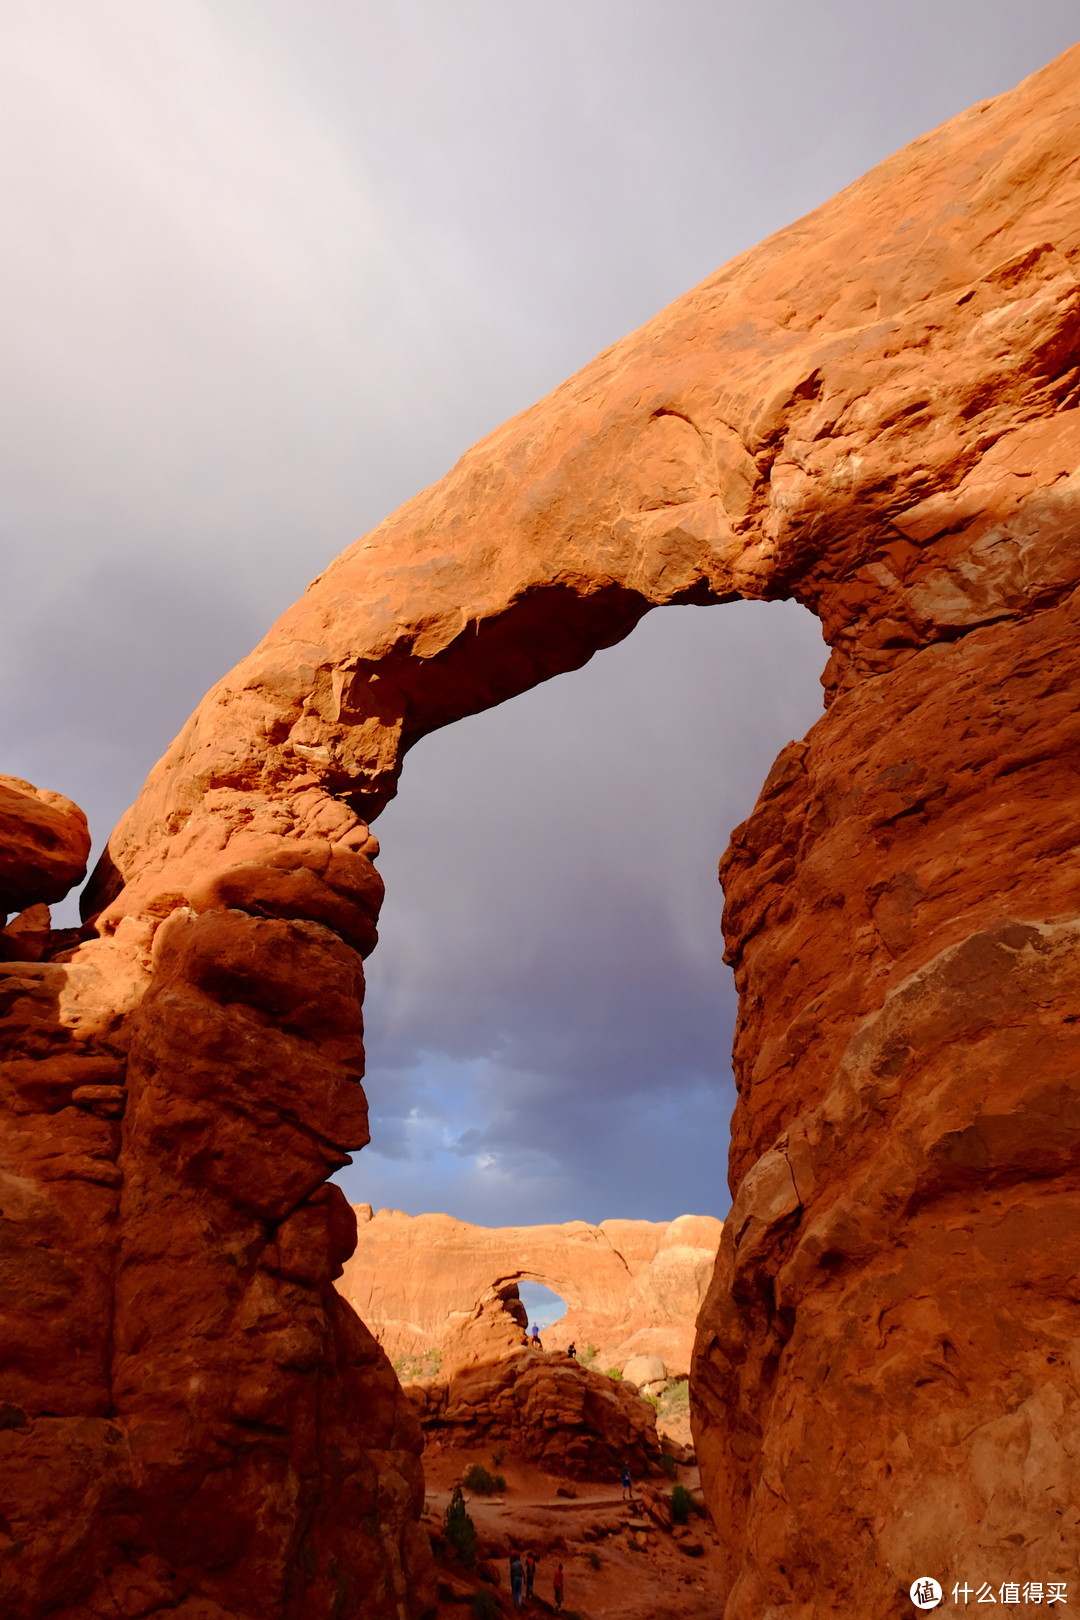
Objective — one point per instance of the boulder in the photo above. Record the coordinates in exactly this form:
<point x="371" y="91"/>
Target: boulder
<point x="44" y="845"/>
<point x="643" y="1370"/>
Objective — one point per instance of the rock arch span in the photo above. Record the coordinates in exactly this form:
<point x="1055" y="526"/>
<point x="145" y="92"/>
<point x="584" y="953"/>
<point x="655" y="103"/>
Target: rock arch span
<point x="431" y="1282"/>
<point x="874" y="412"/>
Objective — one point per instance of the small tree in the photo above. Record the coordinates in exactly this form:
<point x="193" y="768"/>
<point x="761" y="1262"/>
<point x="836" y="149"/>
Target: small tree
<point x="682" y="1504"/>
<point x="460" y="1530"/>
<point x="481" y="1483"/>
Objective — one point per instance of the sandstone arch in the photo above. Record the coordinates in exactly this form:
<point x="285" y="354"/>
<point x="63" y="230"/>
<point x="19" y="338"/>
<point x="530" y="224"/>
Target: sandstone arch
<point x="431" y="1282"/>
<point x="874" y="411"/>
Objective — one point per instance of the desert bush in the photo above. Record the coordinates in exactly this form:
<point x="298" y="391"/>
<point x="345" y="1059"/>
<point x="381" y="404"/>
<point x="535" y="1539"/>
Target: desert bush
<point x="594" y="1559"/>
<point x="682" y="1504"/>
<point x="668" y="1464"/>
<point x="613" y="1372"/>
<point x="481" y="1483"/>
<point x="459" y="1529"/>
<point x="425" y="1365"/>
<point x="497" y="1456"/>
<point x="588" y="1356"/>
<point x="675" y="1401"/>
<point x="485" y="1606"/>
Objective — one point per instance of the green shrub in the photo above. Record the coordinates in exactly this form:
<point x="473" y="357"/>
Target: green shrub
<point x="588" y="1356"/>
<point x="481" y="1483"/>
<point x="653" y="1400"/>
<point x="613" y="1372"/>
<point x="460" y="1530"/>
<point x="497" y="1456"/>
<point x="675" y="1401"/>
<point x="425" y="1365"/>
<point x="668" y="1464"/>
<point x="485" y="1606"/>
<point x="682" y="1504"/>
<point x="594" y="1559"/>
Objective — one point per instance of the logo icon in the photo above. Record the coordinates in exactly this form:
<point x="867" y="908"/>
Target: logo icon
<point x="926" y="1593"/>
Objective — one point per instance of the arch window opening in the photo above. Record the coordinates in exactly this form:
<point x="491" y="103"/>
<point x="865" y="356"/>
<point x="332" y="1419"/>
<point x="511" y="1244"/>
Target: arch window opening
<point x="543" y="1307"/>
<point x="548" y="1016"/>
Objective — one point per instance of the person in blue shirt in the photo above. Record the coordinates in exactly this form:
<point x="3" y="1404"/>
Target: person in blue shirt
<point x="535" y="1332"/>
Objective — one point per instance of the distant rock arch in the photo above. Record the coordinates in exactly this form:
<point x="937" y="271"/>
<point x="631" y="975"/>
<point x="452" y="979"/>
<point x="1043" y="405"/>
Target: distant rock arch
<point x="430" y="1282"/>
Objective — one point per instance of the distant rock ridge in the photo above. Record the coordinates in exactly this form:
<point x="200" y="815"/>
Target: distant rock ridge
<point x="426" y="1282"/>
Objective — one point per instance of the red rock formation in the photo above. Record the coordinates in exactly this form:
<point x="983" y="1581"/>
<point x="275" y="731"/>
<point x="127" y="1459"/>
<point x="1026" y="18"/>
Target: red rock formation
<point x="430" y="1282"/>
<point x="192" y="1420"/>
<point x="548" y="1409"/>
<point x="44" y="845"/>
<point x="873" y="412"/>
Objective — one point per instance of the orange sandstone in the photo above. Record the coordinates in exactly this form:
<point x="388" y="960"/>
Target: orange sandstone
<point x="873" y="412"/>
<point x="429" y="1282"/>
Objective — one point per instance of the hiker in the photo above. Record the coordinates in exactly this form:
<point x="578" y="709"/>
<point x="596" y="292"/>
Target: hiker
<point x="571" y="1350"/>
<point x="558" y="1589"/>
<point x="535" y="1331"/>
<point x="627" y="1486"/>
<point x="516" y="1578"/>
<point x="531" y="1562"/>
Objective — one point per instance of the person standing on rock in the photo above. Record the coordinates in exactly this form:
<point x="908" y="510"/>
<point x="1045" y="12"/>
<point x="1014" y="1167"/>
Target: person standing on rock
<point x="516" y="1578"/>
<point x="530" y="1573"/>
<point x="627" y="1483"/>
<point x="571" y="1349"/>
<point x="558" y="1585"/>
<point x="536" y="1336"/>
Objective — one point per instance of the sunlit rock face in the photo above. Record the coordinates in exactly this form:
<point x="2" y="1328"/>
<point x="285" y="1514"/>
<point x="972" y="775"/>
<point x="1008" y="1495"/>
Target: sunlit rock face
<point x="873" y="412"/>
<point x="431" y="1283"/>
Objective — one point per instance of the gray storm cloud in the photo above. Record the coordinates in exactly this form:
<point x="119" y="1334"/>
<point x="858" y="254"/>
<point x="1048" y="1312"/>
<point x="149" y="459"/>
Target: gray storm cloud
<point x="268" y="270"/>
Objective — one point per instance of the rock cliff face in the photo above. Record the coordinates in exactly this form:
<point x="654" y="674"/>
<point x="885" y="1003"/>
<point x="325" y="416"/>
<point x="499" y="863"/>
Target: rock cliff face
<point x="874" y="412"/>
<point x="192" y="1421"/>
<point x="430" y="1282"/>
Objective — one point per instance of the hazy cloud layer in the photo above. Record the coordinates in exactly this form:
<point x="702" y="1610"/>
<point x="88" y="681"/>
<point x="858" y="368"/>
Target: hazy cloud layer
<point x="270" y="268"/>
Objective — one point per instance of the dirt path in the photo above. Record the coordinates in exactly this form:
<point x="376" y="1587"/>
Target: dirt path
<point x="621" y="1560"/>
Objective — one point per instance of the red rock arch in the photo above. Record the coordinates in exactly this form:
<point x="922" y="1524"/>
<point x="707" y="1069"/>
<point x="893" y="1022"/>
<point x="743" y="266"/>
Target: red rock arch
<point x="430" y="1282"/>
<point x="874" y="412"/>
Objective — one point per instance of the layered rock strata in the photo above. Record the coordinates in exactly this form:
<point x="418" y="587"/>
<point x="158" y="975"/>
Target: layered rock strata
<point x="873" y="412"/>
<point x="429" y="1282"/>
<point x="192" y="1421"/>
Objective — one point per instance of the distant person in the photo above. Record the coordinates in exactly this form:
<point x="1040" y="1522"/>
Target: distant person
<point x="535" y="1331"/>
<point x="530" y="1573"/>
<point x="558" y="1588"/>
<point x="517" y="1577"/>
<point x="571" y="1350"/>
<point x="627" y="1483"/>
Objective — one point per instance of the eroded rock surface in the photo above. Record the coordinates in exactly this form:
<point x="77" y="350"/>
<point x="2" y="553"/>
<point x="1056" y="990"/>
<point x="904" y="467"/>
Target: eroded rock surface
<point x="192" y="1421"/>
<point x="429" y="1282"/>
<point x="44" y="845"/>
<point x="546" y="1408"/>
<point x="873" y="412"/>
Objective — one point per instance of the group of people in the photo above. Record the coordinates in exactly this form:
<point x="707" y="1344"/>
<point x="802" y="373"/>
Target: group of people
<point x="523" y="1577"/>
<point x="533" y="1340"/>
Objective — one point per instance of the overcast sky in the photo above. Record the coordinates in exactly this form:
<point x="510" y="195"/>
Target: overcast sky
<point x="269" y="267"/>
